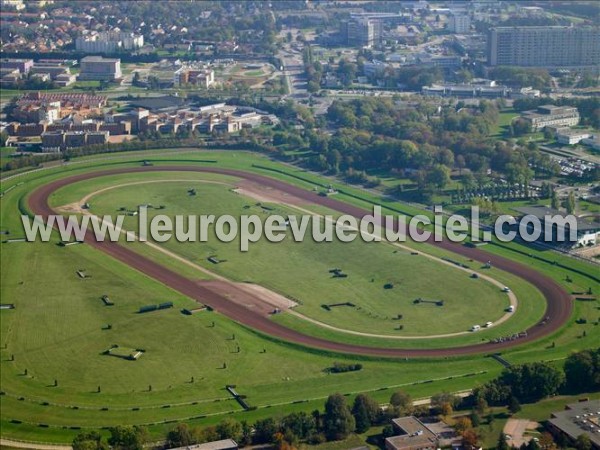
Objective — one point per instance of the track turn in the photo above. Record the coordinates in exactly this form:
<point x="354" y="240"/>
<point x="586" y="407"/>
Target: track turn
<point x="558" y="302"/>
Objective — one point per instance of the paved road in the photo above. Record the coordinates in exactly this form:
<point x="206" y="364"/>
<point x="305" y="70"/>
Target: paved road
<point x="558" y="301"/>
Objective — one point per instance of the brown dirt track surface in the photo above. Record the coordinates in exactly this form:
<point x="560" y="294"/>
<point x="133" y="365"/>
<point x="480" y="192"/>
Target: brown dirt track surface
<point x="558" y="302"/>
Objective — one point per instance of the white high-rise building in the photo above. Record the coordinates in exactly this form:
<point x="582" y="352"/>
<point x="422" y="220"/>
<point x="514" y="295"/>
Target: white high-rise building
<point x="109" y="42"/>
<point x="544" y="46"/>
<point x="459" y="23"/>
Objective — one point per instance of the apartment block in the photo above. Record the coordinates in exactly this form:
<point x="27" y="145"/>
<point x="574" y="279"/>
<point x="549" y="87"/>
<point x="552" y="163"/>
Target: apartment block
<point x="109" y="42"/>
<point x="362" y="32"/>
<point x="459" y="23"/>
<point x="544" y="46"/>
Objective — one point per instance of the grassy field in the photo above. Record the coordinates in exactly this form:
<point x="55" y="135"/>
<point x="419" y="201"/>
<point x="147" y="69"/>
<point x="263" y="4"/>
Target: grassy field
<point x="301" y="271"/>
<point x="504" y="121"/>
<point x="58" y="332"/>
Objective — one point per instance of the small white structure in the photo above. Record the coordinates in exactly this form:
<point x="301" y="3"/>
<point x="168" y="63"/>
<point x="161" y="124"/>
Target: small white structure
<point x="569" y="136"/>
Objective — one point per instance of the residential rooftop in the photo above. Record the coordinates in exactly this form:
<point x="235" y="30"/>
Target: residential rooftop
<point x="579" y="418"/>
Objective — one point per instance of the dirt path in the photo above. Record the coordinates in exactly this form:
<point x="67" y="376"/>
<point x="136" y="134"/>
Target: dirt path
<point x="77" y="206"/>
<point x="558" y="302"/>
<point x="33" y="445"/>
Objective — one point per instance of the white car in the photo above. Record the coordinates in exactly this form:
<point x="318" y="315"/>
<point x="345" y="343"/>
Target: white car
<point x="505" y="289"/>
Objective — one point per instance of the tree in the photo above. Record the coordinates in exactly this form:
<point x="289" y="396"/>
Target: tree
<point x="264" y="430"/>
<point x="338" y="422"/>
<point x="462" y="424"/>
<point x="365" y="411"/>
<point x="520" y="127"/>
<point x="444" y="403"/>
<point x="481" y="404"/>
<point x="513" y="405"/>
<point x="438" y="176"/>
<point x="126" y="437"/>
<point x="401" y="403"/>
<point x="555" y="203"/>
<point x="470" y="438"/>
<point x="180" y="436"/>
<point x="532" y="382"/>
<point x="445" y="409"/>
<point x="299" y="424"/>
<point x="3" y="138"/>
<point x="582" y="371"/>
<point x="583" y="442"/>
<point x="547" y="441"/>
<point x="89" y="440"/>
<point x="230" y="429"/>
<point x="502" y="443"/>
<point x="570" y="203"/>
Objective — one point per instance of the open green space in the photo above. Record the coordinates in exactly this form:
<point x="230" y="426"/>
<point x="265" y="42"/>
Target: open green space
<point x="58" y="329"/>
<point x="302" y="270"/>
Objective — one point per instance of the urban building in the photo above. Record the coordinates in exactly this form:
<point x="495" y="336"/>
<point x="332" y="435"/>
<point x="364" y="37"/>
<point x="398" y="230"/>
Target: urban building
<point x="22" y="65"/>
<point x="490" y="90"/>
<point x="109" y="42"/>
<point x="577" y="419"/>
<point x="544" y="46"/>
<point x="592" y="141"/>
<point x="412" y="434"/>
<point x="570" y="136"/>
<point x="83" y="105"/>
<point x="459" y="23"/>
<point x="204" y="77"/>
<point x="97" y="68"/>
<point x="362" y="32"/>
<point x="59" y="141"/>
<point x="8" y="77"/>
<point x="553" y="116"/>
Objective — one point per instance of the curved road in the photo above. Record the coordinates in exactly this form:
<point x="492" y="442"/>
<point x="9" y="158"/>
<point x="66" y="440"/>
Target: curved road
<point x="558" y="302"/>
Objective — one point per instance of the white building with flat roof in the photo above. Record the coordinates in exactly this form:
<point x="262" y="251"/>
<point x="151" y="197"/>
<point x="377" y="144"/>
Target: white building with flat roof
<point x="569" y="136"/>
<point x="551" y="116"/>
<point x="97" y="68"/>
<point x="109" y="42"/>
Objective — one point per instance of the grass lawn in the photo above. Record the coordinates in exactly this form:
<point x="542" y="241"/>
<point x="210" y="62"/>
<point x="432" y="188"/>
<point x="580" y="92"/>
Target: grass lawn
<point x="301" y="271"/>
<point x="58" y="329"/>
<point x="504" y="121"/>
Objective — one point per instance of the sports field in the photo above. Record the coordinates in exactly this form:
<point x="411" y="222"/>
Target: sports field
<point x="59" y="330"/>
<point x="301" y="270"/>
